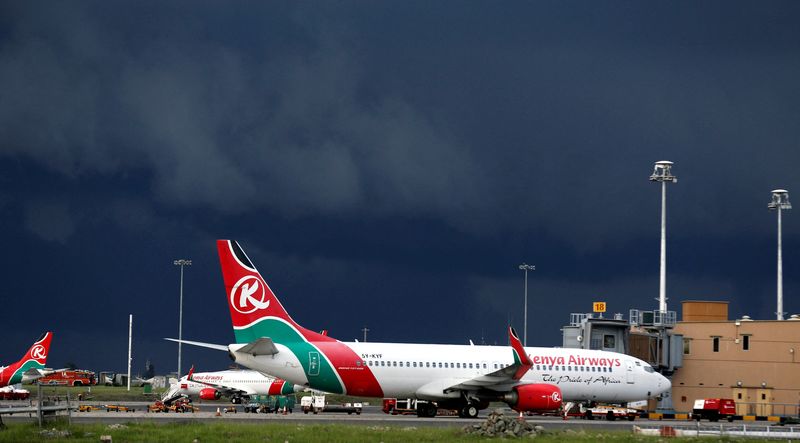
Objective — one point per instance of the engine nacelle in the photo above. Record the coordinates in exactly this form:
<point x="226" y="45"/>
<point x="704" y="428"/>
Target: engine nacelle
<point x="209" y="394"/>
<point x="536" y="397"/>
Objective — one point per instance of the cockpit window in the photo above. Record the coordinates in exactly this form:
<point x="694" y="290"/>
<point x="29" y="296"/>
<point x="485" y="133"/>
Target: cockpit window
<point x="649" y="368"/>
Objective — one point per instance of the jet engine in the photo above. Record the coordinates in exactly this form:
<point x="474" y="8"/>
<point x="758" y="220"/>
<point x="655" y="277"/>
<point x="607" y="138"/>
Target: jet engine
<point x="209" y="394"/>
<point x="537" y="397"/>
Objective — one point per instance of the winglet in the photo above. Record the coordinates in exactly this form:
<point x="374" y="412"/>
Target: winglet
<point x="520" y="357"/>
<point x="190" y="374"/>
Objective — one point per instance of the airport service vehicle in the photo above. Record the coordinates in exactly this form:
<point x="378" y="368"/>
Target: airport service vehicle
<point x="119" y="408"/>
<point x="714" y="408"/>
<point x="31" y="366"/>
<point x="14" y="393"/>
<point x="462" y="377"/>
<point x="402" y="406"/>
<point x="236" y="384"/>
<point x="69" y="377"/>
<point x="608" y="412"/>
<point x="317" y="404"/>
<point x="270" y="403"/>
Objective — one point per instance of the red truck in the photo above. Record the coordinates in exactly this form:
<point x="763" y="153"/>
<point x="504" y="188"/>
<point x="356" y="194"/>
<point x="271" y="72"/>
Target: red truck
<point x="714" y="408"/>
<point x="70" y="377"/>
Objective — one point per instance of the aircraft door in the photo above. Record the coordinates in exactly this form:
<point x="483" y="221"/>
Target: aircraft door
<point x="629" y="374"/>
<point x="313" y="363"/>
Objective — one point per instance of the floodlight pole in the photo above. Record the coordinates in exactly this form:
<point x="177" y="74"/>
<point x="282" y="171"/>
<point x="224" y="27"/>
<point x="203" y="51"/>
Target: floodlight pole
<point x="526" y="268"/>
<point x="130" y="348"/>
<point x="181" y="262"/>
<point x="662" y="173"/>
<point x="780" y="201"/>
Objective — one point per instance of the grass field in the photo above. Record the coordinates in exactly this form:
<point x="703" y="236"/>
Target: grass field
<point x="233" y="432"/>
<point x="97" y="393"/>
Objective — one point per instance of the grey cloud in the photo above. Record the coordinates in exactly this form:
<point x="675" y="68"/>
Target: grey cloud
<point x="52" y="220"/>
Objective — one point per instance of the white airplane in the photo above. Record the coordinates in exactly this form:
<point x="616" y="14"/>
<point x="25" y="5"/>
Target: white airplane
<point x="236" y="384"/>
<point x="459" y="377"/>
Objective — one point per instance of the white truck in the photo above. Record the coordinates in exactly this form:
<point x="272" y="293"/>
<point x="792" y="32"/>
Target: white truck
<point x="316" y="404"/>
<point x="608" y="412"/>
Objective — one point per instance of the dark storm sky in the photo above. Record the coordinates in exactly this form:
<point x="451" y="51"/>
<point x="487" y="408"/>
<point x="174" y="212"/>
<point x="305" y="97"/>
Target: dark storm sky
<point x="387" y="164"/>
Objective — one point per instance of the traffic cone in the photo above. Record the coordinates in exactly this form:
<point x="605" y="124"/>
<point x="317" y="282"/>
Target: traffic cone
<point x="218" y="414"/>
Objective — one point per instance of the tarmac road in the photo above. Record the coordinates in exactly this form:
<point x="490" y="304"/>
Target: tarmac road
<point x="371" y="416"/>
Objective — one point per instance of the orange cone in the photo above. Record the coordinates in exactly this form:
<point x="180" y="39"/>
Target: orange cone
<point x="218" y="414"/>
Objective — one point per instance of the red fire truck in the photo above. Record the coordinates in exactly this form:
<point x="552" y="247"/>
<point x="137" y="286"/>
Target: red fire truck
<point x="70" y="377"/>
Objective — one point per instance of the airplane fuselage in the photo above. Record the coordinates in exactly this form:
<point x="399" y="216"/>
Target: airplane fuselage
<point x="425" y="371"/>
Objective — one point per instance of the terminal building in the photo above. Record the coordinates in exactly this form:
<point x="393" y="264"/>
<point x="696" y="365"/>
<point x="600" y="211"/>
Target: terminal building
<point x="753" y="362"/>
<point x="705" y="354"/>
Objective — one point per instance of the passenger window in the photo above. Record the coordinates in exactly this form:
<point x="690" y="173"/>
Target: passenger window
<point x="427" y="364"/>
<point x="383" y="363"/>
<point x="415" y="364"/>
<point x="440" y="364"/>
<point x="470" y="365"/>
<point x="458" y="365"/>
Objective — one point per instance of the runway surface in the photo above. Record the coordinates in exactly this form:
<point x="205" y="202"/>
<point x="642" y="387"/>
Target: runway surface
<point x="371" y="416"/>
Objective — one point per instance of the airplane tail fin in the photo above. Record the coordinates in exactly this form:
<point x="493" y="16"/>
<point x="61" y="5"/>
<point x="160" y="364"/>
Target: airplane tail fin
<point x="255" y="310"/>
<point x="31" y="365"/>
<point x="38" y="352"/>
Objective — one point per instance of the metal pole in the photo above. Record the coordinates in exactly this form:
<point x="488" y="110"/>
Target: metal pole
<point x="780" y="270"/>
<point x="525" y="322"/>
<point x="180" y="324"/>
<point x="662" y="286"/>
<point x="130" y="342"/>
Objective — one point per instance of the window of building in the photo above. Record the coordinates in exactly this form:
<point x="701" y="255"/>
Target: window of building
<point x="609" y="341"/>
<point x="687" y="346"/>
<point x="715" y="344"/>
<point x="763" y="396"/>
<point x="739" y="396"/>
<point x="683" y="398"/>
<point x="745" y="342"/>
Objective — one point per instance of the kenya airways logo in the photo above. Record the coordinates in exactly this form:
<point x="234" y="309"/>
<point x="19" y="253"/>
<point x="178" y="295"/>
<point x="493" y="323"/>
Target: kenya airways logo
<point x="38" y="352"/>
<point x="249" y="295"/>
<point x="555" y="396"/>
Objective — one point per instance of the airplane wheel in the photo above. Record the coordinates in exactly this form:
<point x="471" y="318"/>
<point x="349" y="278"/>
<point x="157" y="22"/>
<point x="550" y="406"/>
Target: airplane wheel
<point x="470" y="411"/>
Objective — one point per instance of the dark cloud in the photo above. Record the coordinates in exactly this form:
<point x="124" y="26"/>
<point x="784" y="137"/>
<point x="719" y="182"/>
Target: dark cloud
<point x="396" y="158"/>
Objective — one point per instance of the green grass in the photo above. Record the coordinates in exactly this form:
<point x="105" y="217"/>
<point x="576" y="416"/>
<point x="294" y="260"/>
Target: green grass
<point x="272" y="432"/>
<point x="98" y="393"/>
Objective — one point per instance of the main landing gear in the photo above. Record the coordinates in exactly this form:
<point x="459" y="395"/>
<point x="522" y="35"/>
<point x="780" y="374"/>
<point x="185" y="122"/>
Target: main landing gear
<point x="468" y="411"/>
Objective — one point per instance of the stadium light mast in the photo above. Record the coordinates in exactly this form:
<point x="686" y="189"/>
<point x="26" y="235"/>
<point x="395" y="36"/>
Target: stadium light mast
<point x="663" y="173"/>
<point x="181" y="262"/>
<point x="780" y="202"/>
<point x="526" y="268"/>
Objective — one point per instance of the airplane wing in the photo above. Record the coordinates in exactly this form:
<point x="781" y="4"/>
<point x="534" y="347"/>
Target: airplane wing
<point x="504" y="378"/>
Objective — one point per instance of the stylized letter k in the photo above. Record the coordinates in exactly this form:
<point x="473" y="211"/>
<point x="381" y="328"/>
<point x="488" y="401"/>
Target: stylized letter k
<point x="246" y="296"/>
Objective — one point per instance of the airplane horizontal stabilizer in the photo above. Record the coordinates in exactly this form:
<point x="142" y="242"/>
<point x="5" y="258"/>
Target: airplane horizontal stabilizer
<point x="201" y="344"/>
<point x="262" y="346"/>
